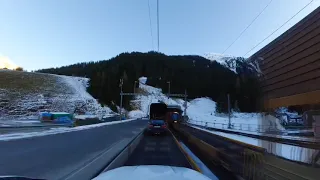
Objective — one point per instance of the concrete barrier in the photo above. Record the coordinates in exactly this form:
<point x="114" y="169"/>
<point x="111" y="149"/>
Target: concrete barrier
<point x="120" y="159"/>
<point x="247" y="168"/>
<point x="109" y="158"/>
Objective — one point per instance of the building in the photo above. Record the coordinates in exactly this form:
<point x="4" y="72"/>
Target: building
<point x="290" y="67"/>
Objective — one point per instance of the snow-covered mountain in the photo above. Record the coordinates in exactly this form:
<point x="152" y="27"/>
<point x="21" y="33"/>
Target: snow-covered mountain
<point x="232" y="63"/>
<point x="24" y="94"/>
<point x="224" y="60"/>
<point x="220" y="58"/>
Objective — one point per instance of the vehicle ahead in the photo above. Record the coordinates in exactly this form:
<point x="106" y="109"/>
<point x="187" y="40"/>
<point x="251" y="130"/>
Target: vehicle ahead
<point x="157" y="123"/>
<point x="157" y="127"/>
<point x="174" y="114"/>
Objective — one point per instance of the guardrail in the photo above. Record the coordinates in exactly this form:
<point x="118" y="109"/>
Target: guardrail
<point x="35" y="126"/>
<point x="29" y="128"/>
<point x="252" y="127"/>
<point x="245" y="165"/>
<point x="306" y="142"/>
<point x="255" y="164"/>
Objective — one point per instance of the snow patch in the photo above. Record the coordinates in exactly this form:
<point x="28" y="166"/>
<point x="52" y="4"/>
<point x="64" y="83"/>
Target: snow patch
<point x="80" y="96"/>
<point x="143" y="80"/>
<point x="136" y="114"/>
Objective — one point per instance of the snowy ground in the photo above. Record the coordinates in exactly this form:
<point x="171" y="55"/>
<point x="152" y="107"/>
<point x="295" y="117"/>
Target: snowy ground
<point x="7" y="137"/>
<point x="201" y="111"/>
<point x="23" y="95"/>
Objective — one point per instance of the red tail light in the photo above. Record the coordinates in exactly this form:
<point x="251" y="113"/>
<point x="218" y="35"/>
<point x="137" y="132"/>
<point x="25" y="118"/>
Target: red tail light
<point x="150" y="126"/>
<point x="164" y="126"/>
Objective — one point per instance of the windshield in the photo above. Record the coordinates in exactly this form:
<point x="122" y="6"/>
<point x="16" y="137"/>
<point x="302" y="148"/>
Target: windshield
<point x="224" y="88"/>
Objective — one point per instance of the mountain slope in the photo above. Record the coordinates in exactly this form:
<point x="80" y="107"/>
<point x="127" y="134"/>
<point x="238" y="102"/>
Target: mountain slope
<point x="24" y="94"/>
<point x="199" y="76"/>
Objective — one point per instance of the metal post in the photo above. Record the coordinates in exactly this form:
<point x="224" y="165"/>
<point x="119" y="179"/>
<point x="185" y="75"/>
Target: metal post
<point x="229" y="116"/>
<point x="121" y="97"/>
<point x="158" y="25"/>
<point x="185" y="103"/>
<point x="169" y="87"/>
<point x="134" y="87"/>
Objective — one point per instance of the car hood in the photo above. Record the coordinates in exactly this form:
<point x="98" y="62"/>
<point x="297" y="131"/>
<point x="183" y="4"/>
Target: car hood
<point x="151" y="172"/>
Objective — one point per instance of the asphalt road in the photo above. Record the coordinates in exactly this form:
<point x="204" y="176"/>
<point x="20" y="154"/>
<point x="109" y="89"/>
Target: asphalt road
<point x="158" y="150"/>
<point x="56" y="156"/>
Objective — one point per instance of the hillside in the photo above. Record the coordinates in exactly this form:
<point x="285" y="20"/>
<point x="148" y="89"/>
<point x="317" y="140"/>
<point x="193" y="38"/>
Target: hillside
<point x="201" y="77"/>
<point x="24" y="94"/>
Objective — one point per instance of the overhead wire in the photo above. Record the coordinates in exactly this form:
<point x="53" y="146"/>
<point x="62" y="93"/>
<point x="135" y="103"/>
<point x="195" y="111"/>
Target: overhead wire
<point x="158" y="24"/>
<point x="150" y="23"/>
<point x="248" y="26"/>
<point x="279" y="27"/>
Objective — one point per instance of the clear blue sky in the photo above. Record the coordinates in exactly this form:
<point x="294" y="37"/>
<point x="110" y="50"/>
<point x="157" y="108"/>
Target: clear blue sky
<point x="50" y="33"/>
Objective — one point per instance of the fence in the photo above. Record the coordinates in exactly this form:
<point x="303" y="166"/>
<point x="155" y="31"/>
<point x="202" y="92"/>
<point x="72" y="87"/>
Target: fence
<point x="254" y="127"/>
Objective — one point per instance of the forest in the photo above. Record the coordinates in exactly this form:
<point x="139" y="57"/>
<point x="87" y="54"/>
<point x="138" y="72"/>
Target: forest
<point x="197" y="75"/>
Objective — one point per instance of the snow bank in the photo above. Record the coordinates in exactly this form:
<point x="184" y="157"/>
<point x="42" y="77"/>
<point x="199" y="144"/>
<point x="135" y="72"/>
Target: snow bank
<point x="7" y="137"/>
<point x="136" y="114"/>
<point x="201" y="109"/>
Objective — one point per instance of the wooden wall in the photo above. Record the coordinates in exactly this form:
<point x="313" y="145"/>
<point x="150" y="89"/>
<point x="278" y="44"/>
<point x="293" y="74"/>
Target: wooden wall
<point x="291" y="65"/>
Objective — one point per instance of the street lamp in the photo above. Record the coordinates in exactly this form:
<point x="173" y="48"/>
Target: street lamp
<point x="169" y="86"/>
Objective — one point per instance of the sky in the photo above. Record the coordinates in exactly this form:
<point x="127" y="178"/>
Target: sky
<point x="37" y="34"/>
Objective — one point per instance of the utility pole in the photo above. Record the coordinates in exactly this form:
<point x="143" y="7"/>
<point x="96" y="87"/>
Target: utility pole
<point x="229" y="115"/>
<point x="121" y="97"/>
<point x="169" y="87"/>
<point x="185" y="103"/>
<point x="158" y="23"/>
<point x="134" y="87"/>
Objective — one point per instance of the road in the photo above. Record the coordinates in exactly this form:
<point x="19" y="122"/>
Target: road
<point x="158" y="150"/>
<point x="55" y="156"/>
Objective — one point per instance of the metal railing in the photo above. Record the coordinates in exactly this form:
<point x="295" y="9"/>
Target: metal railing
<point x="254" y="127"/>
